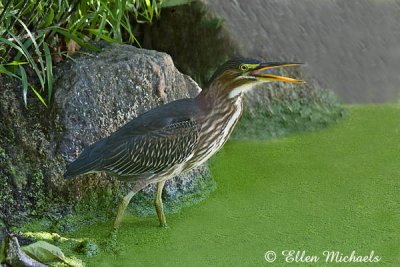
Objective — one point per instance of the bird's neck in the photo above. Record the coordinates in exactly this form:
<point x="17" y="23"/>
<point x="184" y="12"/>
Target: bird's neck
<point x="217" y="96"/>
<point x="220" y="110"/>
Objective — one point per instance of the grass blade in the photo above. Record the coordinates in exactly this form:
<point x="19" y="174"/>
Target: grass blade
<point x="49" y="70"/>
<point x="102" y="23"/>
<point x="127" y="27"/>
<point x="9" y="73"/>
<point x="24" y="80"/>
<point x="37" y="50"/>
<point x="103" y="36"/>
<point x="27" y="45"/>
<point x="21" y="48"/>
<point x="49" y="19"/>
<point x="38" y="96"/>
<point x="16" y="63"/>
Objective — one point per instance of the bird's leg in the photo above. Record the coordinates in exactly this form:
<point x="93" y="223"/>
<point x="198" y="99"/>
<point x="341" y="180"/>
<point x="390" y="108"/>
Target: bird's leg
<point x="125" y="202"/>
<point x="159" y="204"/>
<point x="122" y="206"/>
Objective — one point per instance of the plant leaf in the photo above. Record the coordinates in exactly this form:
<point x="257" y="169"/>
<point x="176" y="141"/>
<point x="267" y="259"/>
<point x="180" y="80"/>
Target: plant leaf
<point x="44" y="252"/>
<point x="38" y="96"/>
<point x="9" y="73"/>
<point x="75" y="38"/>
<point x="49" y="70"/>
<point x="15" y="63"/>
<point x="49" y="19"/>
<point x="103" y="36"/>
<point x="48" y="253"/>
<point x="21" y="48"/>
<point x="102" y="23"/>
<point x="24" y="80"/>
<point x="37" y="49"/>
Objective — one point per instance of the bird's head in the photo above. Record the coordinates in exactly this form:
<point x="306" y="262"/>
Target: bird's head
<point x="240" y="75"/>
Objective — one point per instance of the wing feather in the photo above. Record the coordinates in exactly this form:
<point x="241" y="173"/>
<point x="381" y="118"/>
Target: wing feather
<point x="155" y="151"/>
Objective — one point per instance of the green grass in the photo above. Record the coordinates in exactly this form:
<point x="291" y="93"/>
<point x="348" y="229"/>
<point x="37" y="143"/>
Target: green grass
<point x="335" y="189"/>
<point x="34" y="34"/>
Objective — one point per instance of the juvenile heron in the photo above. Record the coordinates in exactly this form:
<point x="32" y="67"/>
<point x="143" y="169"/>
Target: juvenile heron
<point x="177" y="136"/>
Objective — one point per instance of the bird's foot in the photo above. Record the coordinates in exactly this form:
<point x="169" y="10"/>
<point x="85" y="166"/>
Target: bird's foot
<point x="117" y="221"/>
<point x="163" y="225"/>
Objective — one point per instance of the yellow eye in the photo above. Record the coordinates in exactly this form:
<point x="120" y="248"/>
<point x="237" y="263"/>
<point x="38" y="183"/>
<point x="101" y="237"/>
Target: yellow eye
<point x="243" y="67"/>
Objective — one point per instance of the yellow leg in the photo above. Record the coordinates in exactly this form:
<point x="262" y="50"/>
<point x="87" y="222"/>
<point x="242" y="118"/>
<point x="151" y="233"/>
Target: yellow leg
<point x="159" y="204"/>
<point x="125" y="202"/>
<point x="122" y="207"/>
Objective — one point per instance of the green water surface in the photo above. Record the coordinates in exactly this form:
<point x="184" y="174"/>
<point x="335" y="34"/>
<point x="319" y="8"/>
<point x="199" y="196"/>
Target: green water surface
<point x="336" y="189"/>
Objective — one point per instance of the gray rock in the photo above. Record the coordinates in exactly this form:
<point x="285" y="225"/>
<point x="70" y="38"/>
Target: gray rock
<point x="95" y="95"/>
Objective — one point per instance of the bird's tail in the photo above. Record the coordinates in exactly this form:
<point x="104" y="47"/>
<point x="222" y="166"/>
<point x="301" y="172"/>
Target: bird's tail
<point x="85" y="163"/>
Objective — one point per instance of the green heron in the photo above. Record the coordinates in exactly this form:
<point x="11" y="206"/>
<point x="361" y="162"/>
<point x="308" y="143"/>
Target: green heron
<point x="176" y="136"/>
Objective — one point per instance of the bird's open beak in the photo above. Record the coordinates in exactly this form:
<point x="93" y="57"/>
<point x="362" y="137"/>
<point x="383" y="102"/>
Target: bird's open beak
<point x="261" y="75"/>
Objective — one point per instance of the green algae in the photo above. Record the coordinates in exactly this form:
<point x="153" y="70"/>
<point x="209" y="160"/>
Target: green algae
<point x="302" y="110"/>
<point x="102" y="204"/>
<point x="336" y="189"/>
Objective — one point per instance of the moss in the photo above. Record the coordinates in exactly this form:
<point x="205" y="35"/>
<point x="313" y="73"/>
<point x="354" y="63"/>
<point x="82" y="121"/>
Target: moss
<point x="23" y="190"/>
<point x="87" y="248"/>
<point x="2" y="152"/>
<point x="6" y="196"/>
<point x="19" y="178"/>
<point x="37" y="192"/>
<point x="2" y="251"/>
<point x="306" y="110"/>
<point x="102" y="205"/>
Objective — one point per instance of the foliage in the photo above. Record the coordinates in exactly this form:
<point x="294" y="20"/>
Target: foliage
<point x="37" y="34"/>
<point x="45" y="252"/>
